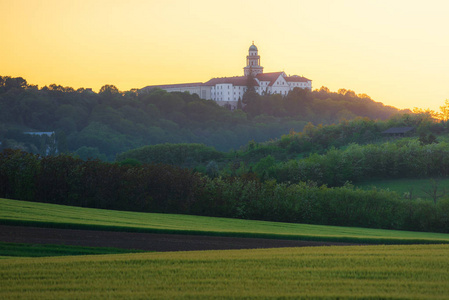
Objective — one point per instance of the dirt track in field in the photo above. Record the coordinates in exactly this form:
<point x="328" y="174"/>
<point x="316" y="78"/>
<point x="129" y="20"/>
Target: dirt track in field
<point x="142" y="241"/>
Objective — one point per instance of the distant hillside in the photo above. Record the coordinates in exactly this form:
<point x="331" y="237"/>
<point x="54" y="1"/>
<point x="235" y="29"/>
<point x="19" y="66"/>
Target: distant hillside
<point x="318" y="153"/>
<point x="103" y="124"/>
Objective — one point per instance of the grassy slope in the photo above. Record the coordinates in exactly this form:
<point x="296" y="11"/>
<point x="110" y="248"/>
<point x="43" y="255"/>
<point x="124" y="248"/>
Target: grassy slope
<point x="393" y="272"/>
<point x="416" y="187"/>
<point x="41" y="214"/>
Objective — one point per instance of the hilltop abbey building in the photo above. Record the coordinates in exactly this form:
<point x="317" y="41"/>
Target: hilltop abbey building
<point x="228" y="90"/>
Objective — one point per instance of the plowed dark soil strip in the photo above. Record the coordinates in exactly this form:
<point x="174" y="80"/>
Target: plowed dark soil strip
<point x="142" y="241"/>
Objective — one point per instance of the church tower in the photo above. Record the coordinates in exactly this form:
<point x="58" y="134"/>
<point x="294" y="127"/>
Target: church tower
<point x="253" y="62"/>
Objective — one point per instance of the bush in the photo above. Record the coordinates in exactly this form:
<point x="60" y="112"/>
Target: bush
<point x="186" y="155"/>
<point x="361" y="163"/>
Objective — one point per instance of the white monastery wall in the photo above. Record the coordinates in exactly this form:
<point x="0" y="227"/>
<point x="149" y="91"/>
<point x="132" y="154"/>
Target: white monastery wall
<point x="228" y="90"/>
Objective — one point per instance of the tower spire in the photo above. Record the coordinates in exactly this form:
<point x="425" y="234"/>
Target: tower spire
<point x="253" y="66"/>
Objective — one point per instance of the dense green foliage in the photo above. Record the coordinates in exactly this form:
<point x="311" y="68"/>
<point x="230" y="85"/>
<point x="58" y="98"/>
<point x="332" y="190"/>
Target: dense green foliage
<point x="319" y="106"/>
<point x="369" y="272"/>
<point x="352" y="151"/>
<point x="185" y="155"/>
<point x="410" y="188"/>
<point x="67" y="180"/>
<point x="36" y="250"/>
<point x="339" y="142"/>
<point x="100" y="125"/>
<point x="403" y="159"/>
<point x="163" y="188"/>
<point x="63" y="216"/>
<point x="359" y="130"/>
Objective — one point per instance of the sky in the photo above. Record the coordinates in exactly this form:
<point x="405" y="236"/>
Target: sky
<point x="395" y="51"/>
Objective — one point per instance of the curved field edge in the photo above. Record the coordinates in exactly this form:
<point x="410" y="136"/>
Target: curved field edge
<point x="348" y="272"/>
<point x="14" y="212"/>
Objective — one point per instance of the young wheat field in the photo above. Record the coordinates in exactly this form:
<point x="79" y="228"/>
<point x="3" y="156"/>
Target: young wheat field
<point x="343" y="272"/>
<point x="353" y="272"/>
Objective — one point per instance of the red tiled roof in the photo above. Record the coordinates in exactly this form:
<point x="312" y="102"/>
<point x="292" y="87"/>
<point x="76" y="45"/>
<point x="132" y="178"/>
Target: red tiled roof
<point x="268" y="76"/>
<point x="237" y="81"/>
<point x="296" y="78"/>
<point x="180" y="85"/>
<point x="271" y="77"/>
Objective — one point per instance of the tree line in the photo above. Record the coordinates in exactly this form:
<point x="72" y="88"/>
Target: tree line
<point x="109" y="122"/>
<point x="66" y="180"/>
<point x="353" y="151"/>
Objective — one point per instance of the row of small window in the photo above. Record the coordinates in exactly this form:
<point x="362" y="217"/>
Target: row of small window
<point x="259" y="89"/>
<point x="221" y="93"/>
<point x="235" y="87"/>
<point x="294" y="84"/>
<point x="221" y="99"/>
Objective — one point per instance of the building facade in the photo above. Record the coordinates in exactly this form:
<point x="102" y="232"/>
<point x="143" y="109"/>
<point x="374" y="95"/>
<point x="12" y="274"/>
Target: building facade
<point x="228" y="90"/>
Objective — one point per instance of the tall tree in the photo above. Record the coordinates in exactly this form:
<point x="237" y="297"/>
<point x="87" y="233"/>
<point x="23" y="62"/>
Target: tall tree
<point x="445" y="111"/>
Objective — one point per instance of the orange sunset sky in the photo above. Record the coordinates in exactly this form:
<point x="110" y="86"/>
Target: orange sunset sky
<point x="395" y="51"/>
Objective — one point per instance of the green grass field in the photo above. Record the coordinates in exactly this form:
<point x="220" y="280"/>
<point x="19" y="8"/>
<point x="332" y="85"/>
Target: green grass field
<point x="356" y="272"/>
<point x="416" y="187"/>
<point x="41" y="214"/>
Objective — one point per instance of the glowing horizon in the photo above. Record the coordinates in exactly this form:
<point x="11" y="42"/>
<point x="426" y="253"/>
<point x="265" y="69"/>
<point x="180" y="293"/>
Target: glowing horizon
<point x="394" y="51"/>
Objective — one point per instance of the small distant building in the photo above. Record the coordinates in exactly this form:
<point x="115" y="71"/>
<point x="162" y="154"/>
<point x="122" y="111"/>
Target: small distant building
<point x="40" y="133"/>
<point x="228" y="90"/>
<point x="399" y="131"/>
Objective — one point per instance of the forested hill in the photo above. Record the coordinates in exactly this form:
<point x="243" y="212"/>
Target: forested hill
<point x="109" y="122"/>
